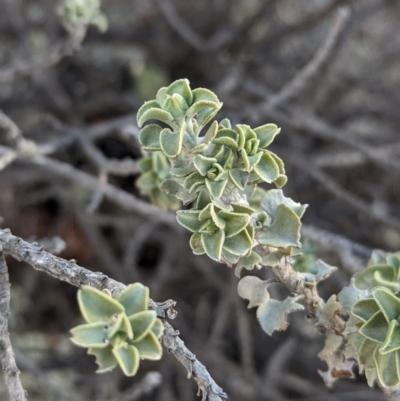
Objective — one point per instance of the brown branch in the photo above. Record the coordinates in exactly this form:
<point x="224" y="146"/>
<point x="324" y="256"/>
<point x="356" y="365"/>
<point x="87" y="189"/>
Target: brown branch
<point x="7" y="358"/>
<point x="76" y="275"/>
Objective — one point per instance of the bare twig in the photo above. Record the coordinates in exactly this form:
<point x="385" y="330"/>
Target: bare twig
<point x="7" y="358"/>
<point x="146" y="386"/>
<point x="342" y="193"/>
<point x="307" y="76"/>
<point x="76" y="275"/>
<point x="352" y="255"/>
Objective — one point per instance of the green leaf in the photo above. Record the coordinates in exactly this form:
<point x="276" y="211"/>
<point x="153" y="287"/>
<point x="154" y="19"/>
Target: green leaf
<point x="229" y="258"/>
<point x="203" y="164"/>
<point x="97" y="306"/>
<point x="158" y="328"/>
<point x="227" y="137"/>
<point x="189" y="219"/>
<point x="153" y="113"/>
<point x="246" y="132"/>
<point x="242" y="208"/>
<point x="239" y="177"/>
<point x="375" y="328"/>
<point x="149" y="137"/>
<point x="203" y="199"/>
<point x="193" y="181"/>
<point x="211" y="133"/>
<point x="273" y="198"/>
<point x="176" y="106"/>
<point x="239" y="244"/>
<point x="212" y="244"/>
<point x="225" y="123"/>
<point x="196" y="244"/>
<point x="171" y="142"/>
<point x="267" y="169"/>
<point x="254" y="290"/>
<point x="149" y="347"/>
<point x="367" y="279"/>
<point x="134" y="298"/>
<point x="366" y="353"/>
<point x="248" y="262"/>
<point x="387" y="368"/>
<point x="142" y="323"/>
<point x="388" y="303"/>
<point x="266" y="134"/>
<point x="318" y="271"/>
<point x="235" y="222"/>
<point x="128" y="359"/>
<point x="365" y="309"/>
<point x="90" y="335"/>
<point x="216" y="188"/>
<point x="284" y="230"/>
<point x="209" y="213"/>
<point x="171" y="187"/>
<point x="273" y="313"/>
<point x="147" y="181"/>
<point x="122" y="325"/>
<point x="104" y="358"/>
<point x="182" y="87"/>
<point x="392" y="340"/>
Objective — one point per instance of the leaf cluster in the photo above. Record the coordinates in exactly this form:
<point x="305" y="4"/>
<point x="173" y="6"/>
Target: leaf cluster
<point x="118" y="331"/>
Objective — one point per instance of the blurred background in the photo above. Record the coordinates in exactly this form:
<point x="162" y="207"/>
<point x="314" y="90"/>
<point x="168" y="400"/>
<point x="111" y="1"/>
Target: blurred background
<point x="326" y="71"/>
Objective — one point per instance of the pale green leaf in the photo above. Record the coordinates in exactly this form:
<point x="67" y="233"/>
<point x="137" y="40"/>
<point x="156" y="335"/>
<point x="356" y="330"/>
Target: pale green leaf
<point x="196" y="244"/>
<point x="387" y="368"/>
<point x="235" y="222"/>
<point x="142" y="323"/>
<point x="284" y="230"/>
<point x="134" y="298"/>
<point x="149" y="347"/>
<point x="266" y="168"/>
<point x="121" y="325"/>
<point x="392" y="340"/>
<point x="388" y="303"/>
<point x="97" y="306"/>
<point x="149" y="137"/>
<point x="203" y="164"/>
<point x="365" y="309"/>
<point x="212" y="244"/>
<point x="216" y="188"/>
<point x="171" y="142"/>
<point x="104" y="358"/>
<point x="182" y="87"/>
<point x="158" y="328"/>
<point x="266" y="134"/>
<point x="254" y="290"/>
<point x="128" y="359"/>
<point x="90" y="335"/>
<point x="375" y="328"/>
<point x="239" y="244"/>
<point x="272" y="314"/>
<point x="273" y="198"/>
<point x="189" y="219"/>
<point x="154" y="114"/>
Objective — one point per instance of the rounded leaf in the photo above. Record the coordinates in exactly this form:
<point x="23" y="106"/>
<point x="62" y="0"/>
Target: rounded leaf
<point x="97" y="306"/>
<point x="134" y="298"/>
<point x="149" y="347"/>
<point x="142" y="323"/>
<point x="104" y="358"/>
<point x="149" y="137"/>
<point x="212" y="244"/>
<point x="127" y="358"/>
<point x="90" y="335"/>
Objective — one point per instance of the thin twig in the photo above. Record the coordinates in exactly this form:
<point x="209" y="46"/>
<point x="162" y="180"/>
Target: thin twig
<point x="76" y="275"/>
<point x="306" y="77"/>
<point x="342" y="193"/>
<point x="7" y="358"/>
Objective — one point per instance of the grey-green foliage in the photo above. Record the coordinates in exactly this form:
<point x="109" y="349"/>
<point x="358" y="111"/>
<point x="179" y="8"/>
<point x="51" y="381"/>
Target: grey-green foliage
<point x="217" y="168"/>
<point x="76" y="14"/>
<point x="118" y="331"/>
